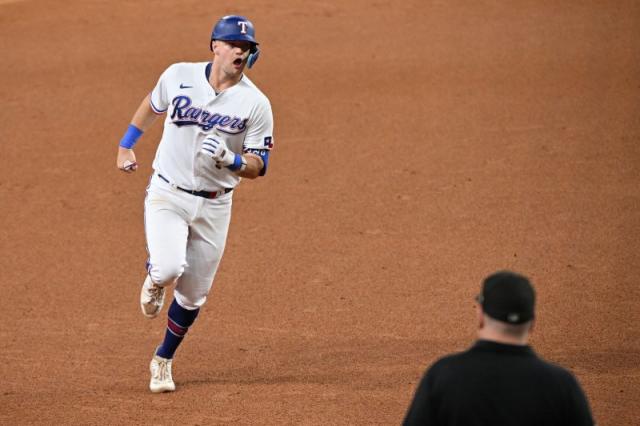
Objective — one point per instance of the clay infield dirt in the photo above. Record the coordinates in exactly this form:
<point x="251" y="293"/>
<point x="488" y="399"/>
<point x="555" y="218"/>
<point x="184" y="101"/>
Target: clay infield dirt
<point x="420" y="145"/>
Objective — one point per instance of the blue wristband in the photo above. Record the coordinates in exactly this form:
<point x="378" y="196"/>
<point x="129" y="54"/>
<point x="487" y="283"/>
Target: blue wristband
<point x="130" y="137"/>
<point x="237" y="163"/>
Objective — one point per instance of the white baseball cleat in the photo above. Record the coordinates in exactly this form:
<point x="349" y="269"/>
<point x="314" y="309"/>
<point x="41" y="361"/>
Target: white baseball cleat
<point x="151" y="298"/>
<point x="161" y="380"/>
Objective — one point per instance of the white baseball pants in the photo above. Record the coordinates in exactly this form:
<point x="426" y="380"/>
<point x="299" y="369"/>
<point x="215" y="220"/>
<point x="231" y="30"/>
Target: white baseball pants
<point x="186" y="235"/>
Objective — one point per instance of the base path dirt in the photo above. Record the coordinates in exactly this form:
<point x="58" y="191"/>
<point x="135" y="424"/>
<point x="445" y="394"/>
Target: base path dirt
<point x="419" y="146"/>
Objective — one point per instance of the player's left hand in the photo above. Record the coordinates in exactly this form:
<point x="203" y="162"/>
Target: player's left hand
<point x="218" y="150"/>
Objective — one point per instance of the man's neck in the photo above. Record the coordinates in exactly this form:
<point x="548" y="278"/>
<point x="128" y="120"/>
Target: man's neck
<point x="488" y="334"/>
<point x="221" y="81"/>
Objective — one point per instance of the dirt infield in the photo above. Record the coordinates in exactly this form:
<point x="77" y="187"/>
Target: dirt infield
<point x="420" y="146"/>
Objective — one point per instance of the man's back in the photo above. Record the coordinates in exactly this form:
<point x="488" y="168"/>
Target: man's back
<point x="498" y="384"/>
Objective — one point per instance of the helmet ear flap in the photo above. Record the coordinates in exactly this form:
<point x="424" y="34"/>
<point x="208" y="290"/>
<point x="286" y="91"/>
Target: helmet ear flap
<point x="253" y="56"/>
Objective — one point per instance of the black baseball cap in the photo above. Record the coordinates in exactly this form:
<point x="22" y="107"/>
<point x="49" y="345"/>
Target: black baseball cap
<point x="508" y="297"/>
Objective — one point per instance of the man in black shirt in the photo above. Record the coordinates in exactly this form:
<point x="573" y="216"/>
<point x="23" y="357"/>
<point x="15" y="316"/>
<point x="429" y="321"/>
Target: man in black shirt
<point x="500" y="380"/>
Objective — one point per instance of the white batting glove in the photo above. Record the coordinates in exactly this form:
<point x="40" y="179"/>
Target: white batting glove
<point x="218" y="150"/>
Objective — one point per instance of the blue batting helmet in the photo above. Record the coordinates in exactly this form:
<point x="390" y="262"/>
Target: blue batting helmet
<point x="237" y="28"/>
<point x="234" y="27"/>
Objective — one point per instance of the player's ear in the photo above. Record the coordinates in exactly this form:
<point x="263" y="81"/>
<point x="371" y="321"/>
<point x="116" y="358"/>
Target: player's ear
<point x="211" y="45"/>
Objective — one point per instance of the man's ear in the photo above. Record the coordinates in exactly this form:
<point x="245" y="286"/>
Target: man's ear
<point x="480" y="316"/>
<point x="211" y="45"/>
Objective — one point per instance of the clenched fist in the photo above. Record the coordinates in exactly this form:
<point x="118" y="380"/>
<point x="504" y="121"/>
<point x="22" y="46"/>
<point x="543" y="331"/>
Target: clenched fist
<point x="218" y="150"/>
<point x="126" y="160"/>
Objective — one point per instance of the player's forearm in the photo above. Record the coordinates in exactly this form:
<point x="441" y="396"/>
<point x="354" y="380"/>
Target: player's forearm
<point x="254" y="166"/>
<point x="144" y="116"/>
<point x="142" y="119"/>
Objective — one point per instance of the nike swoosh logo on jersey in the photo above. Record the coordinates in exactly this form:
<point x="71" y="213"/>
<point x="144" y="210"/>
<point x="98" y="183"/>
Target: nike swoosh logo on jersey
<point x="183" y="86"/>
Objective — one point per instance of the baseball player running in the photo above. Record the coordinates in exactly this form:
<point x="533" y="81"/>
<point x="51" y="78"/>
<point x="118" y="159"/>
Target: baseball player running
<point x="218" y="129"/>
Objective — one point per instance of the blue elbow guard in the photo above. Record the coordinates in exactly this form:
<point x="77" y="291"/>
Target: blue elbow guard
<point x="264" y="154"/>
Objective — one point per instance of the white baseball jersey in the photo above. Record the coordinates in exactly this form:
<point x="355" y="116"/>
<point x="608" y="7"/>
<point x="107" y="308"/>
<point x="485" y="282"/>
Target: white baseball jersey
<point x="240" y="115"/>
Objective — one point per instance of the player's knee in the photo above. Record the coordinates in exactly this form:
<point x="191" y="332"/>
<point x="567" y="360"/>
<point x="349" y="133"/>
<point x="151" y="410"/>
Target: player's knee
<point x="165" y="274"/>
<point x="190" y="301"/>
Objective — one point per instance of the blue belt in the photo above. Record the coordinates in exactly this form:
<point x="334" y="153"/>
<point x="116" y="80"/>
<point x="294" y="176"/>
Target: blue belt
<point x="204" y="194"/>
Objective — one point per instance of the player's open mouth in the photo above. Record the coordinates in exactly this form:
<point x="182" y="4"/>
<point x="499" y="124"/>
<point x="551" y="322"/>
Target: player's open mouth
<point x="238" y="61"/>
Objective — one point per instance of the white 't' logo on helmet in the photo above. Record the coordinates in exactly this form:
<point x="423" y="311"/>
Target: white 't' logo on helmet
<point x="243" y="27"/>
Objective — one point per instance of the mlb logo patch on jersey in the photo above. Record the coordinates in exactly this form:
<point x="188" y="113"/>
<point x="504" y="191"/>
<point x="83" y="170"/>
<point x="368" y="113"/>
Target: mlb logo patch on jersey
<point x="268" y="142"/>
